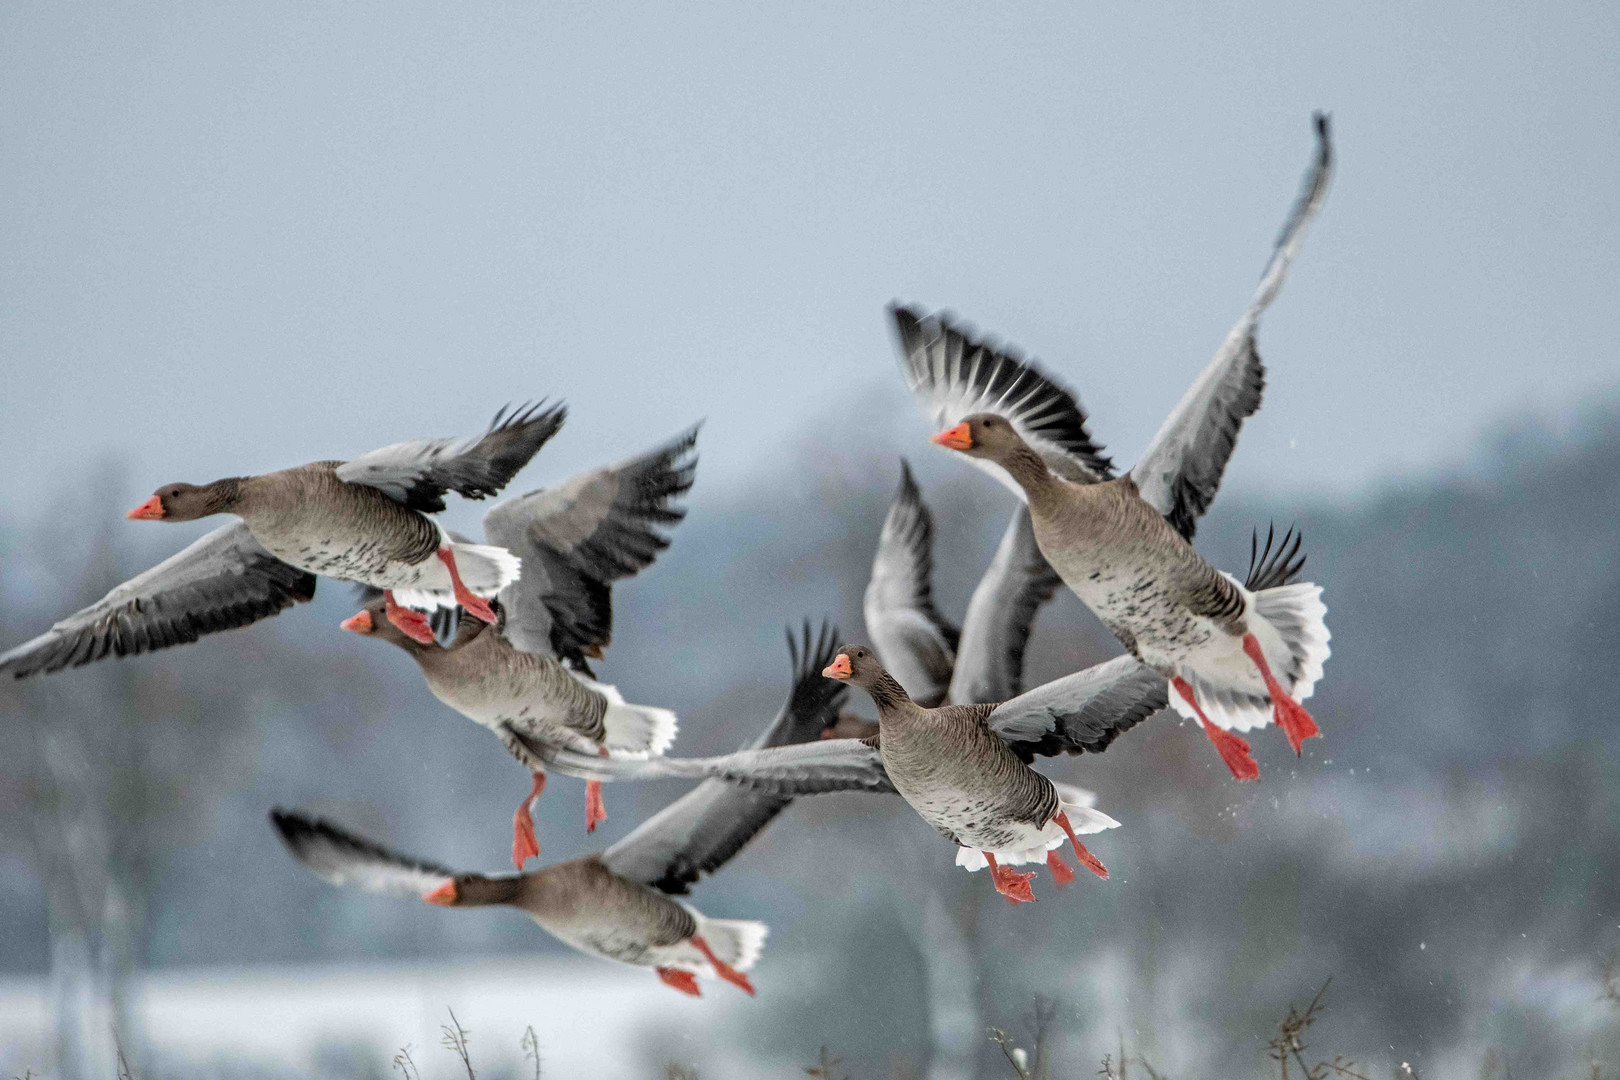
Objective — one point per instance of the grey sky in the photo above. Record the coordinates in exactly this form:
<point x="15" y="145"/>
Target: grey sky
<point x="237" y="237"/>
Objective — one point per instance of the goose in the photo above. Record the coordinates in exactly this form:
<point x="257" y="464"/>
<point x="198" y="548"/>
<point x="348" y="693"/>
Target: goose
<point x="527" y="677"/>
<point x="619" y="905"/>
<point x="1123" y="544"/>
<point x="364" y="520"/>
<point x="955" y="772"/>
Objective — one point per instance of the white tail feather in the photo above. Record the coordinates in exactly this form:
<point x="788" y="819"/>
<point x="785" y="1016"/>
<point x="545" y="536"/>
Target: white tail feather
<point x="633" y="729"/>
<point x="1298" y="615"/>
<point x="737" y="942"/>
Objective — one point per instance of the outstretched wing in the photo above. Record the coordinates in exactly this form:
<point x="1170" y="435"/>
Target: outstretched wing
<point x="699" y="832"/>
<point x="952" y="375"/>
<point x="1083" y="712"/>
<point x="1182" y="468"/>
<point x="990" y="658"/>
<point x="224" y="580"/>
<point x="915" y="642"/>
<point x="576" y="539"/>
<point x="342" y="858"/>
<point x="419" y="472"/>
<point x="801" y="769"/>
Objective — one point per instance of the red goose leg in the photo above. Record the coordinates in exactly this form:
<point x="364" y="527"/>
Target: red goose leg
<point x="476" y="606"/>
<point x="1233" y="750"/>
<point x="595" y="809"/>
<point x="1010" y="883"/>
<point x="524" y="844"/>
<point x="723" y="969"/>
<point x="684" y="981"/>
<point x="1087" y="859"/>
<point x="1289" y="714"/>
<point x="413" y="624"/>
<point x="1060" y="869"/>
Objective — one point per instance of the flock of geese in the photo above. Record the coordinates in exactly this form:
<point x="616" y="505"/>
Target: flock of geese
<point x="505" y="633"/>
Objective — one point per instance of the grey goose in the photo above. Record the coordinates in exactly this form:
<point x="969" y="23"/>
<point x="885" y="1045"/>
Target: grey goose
<point x="619" y="905"/>
<point x="527" y="677"/>
<point x="1123" y="543"/>
<point x="364" y="520"/>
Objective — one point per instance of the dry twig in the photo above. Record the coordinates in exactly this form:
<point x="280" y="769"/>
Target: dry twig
<point x="824" y="1066"/>
<point x="530" y="1045"/>
<point x="456" y="1040"/>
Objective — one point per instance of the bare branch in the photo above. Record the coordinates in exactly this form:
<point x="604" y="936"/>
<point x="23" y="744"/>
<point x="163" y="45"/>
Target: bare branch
<point x="456" y="1040"/>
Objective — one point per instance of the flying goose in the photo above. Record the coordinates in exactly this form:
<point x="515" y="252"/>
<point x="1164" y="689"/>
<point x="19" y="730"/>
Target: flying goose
<point x="1080" y="713"/>
<point x="1122" y="544"/>
<point x="363" y="520"/>
<point x="953" y="374"/>
<point x="617" y="905"/>
<point x="527" y="677"/>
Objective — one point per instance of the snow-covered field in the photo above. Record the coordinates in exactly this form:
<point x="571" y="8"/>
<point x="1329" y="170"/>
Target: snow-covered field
<point x="592" y="1019"/>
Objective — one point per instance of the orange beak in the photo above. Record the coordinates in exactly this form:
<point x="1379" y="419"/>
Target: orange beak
<point x="150" y="510"/>
<point x="839" y="668"/>
<point x="444" y="895"/>
<point x="959" y="437"/>
<point x="358" y="623"/>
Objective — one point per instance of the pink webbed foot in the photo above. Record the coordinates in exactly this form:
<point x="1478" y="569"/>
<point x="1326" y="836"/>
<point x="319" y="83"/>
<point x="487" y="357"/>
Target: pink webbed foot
<point x="1087" y="859"/>
<point x="684" y="981"/>
<point x="723" y="969"/>
<point x="413" y="624"/>
<point x="595" y="811"/>
<point x="1290" y="715"/>
<point x="476" y="606"/>
<point x="595" y="808"/>
<point x="524" y="843"/>
<point x="1233" y="750"/>
<point x="1060" y="869"/>
<point x="1010" y="883"/>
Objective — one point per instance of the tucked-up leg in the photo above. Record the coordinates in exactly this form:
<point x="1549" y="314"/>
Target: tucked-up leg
<point x="723" y="969"/>
<point x="1087" y="859"/>
<point x="1233" y="750"/>
<point x="1010" y="883"/>
<point x="476" y="605"/>
<point x="524" y="843"/>
<point x="411" y="622"/>
<point x="1289" y="714"/>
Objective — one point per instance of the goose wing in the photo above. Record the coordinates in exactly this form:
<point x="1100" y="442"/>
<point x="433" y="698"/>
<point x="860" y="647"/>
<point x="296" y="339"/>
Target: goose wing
<point x="1083" y="712"/>
<point x="990" y="658"/>
<point x="576" y="539"/>
<point x="225" y="580"/>
<point x="916" y="643"/>
<point x="953" y="375"/>
<point x="699" y="832"/>
<point x="419" y="472"/>
<point x="1182" y="468"/>
<point x="343" y="858"/>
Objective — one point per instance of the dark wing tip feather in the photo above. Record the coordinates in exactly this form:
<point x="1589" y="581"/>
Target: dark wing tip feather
<point x="1045" y="405"/>
<point x="303" y="834"/>
<point x="1275" y="563"/>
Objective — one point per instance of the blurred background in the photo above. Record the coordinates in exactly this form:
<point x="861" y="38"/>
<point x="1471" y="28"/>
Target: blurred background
<point x="236" y="239"/>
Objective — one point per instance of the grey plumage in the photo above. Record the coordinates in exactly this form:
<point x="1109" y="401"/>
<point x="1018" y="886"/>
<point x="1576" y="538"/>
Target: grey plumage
<point x="905" y="626"/>
<point x="419" y="472"/>
<point x="576" y="539"/>
<point x="1182" y="467"/>
<point x="224" y="580"/>
<point x="1000" y="614"/>
<point x="952" y="373"/>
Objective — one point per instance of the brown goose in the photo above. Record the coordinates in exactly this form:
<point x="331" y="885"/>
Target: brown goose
<point x="363" y="520"/>
<point x="966" y="782"/>
<point x="955" y="773"/>
<point x="526" y="678"/>
<point x="1025" y="429"/>
<point x="617" y="905"/>
<point x="1224" y="648"/>
<point x="988" y="664"/>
